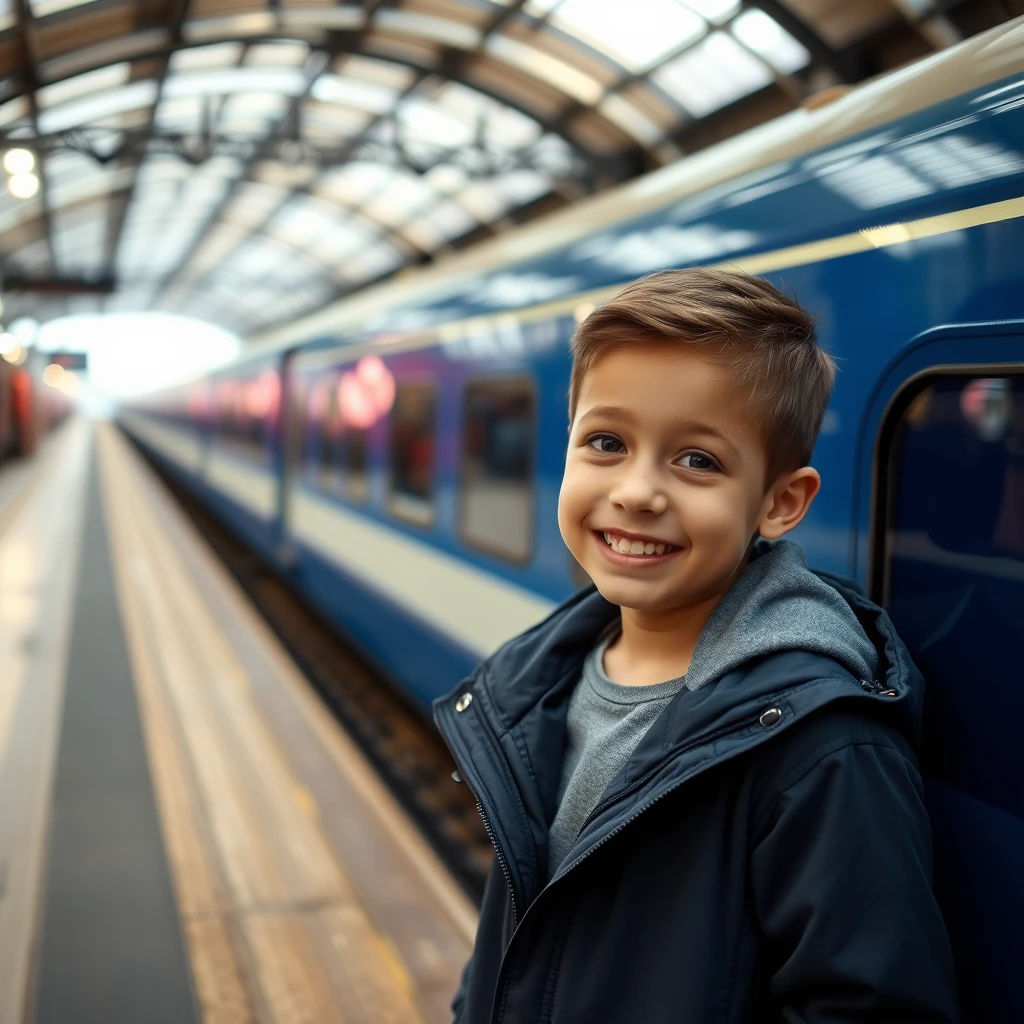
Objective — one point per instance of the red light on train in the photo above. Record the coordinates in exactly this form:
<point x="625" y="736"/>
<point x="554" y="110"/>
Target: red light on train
<point x="366" y="394"/>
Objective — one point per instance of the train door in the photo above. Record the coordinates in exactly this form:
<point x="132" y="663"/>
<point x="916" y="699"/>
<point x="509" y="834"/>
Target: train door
<point x="946" y="557"/>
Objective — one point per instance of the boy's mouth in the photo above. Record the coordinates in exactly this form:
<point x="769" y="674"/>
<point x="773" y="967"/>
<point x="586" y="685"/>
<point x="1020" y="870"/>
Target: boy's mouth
<point x="644" y="547"/>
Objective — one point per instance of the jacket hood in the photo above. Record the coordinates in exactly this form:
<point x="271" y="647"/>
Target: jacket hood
<point x="779" y="605"/>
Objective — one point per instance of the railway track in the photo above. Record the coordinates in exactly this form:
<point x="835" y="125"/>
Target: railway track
<point x="396" y="736"/>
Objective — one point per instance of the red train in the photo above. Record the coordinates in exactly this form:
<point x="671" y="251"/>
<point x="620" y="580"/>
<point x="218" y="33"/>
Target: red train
<point x="28" y="409"/>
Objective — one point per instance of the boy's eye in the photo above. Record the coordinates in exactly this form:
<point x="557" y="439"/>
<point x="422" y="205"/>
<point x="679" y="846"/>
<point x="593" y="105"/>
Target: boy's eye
<point x="609" y="444"/>
<point x="697" y="460"/>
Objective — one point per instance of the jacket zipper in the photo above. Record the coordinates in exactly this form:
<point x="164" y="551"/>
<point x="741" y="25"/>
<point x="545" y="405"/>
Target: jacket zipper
<point x="501" y="861"/>
<point x="472" y="779"/>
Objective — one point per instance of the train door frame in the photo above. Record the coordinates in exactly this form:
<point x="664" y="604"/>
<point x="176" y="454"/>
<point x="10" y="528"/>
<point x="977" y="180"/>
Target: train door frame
<point x="981" y="350"/>
<point x="993" y="348"/>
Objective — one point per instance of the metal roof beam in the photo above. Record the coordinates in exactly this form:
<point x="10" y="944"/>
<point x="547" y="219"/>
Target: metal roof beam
<point x="119" y="210"/>
<point x="846" y="65"/>
<point x="30" y="76"/>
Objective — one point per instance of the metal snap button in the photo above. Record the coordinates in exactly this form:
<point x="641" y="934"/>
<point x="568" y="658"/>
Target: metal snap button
<point x="770" y="717"/>
<point x="463" y="702"/>
<point x="456" y="776"/>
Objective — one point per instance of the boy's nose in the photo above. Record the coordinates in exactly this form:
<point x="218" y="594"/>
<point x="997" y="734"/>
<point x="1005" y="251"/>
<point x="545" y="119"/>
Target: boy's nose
<point x="639" y="491"/>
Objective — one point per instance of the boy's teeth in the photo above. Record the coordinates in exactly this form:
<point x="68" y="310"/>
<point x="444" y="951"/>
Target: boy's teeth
<point x="633" y="547"/>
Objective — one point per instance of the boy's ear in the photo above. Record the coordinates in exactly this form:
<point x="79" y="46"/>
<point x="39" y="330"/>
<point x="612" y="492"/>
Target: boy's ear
<point x="786" y="504"/>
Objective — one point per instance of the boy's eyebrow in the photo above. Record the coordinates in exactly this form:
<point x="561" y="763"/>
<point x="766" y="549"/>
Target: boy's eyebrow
<point x="626" y="416"/>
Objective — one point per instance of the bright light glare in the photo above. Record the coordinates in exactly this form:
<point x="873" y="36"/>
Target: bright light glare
<point x="8" y="343"/>
<point x="68" y="383"/>
<point x="24" y="330"/>
<point x="52" y="374"/>
<point x="19" y="161"/>
<point x="131" y="353"/>
<point x="23" y="186"/>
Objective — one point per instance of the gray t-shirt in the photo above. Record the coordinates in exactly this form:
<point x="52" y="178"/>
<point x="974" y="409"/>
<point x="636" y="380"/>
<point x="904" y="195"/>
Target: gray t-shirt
<point x="606" y="722"/>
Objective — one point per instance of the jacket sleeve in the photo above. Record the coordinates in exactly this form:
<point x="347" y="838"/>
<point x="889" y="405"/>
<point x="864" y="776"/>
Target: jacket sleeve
<point x="841" y="877"/>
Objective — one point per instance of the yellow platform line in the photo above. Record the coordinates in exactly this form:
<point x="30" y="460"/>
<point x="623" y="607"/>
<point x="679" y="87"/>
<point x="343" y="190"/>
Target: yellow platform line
<point x="285" y="893"/>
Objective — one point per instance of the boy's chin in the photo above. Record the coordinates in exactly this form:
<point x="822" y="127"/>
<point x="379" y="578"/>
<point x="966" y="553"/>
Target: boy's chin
<point x="634" y="594"/>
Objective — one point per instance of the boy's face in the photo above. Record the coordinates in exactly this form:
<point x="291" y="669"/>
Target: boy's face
<point x="663" y="463"/>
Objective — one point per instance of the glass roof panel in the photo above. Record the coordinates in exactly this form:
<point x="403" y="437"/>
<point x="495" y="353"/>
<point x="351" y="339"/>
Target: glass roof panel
<point x="631" y="120"/>
<point x="322" y="17"/>
<point x="439" y="30"/>
<point x="232" y="26"/>
<point x="483" y="201"/>
<point x="345" y="237"/>
<point x="545" y="67"/>
<point x="42" y="8"/>
<point x="253" y="202"/>
<point x="283" y="53"/>
<point x="277" y="80"/>
<point x="331" y="120"/>
<point x="217" y="245"/>
<point x="503" y="125"/>
<point x="95" y="108"/>
<point x="711" y="74"/>
<point x="181" y="115"/>
<point x="404" y="195"/>
<point x="354" y="182"/>
<point x="762" y="34"/>
<point x="82" y="85"/>
<point x="635" y="34"/>
<point x="380" y="72"/>
<point x="266" y="106"/>
<point x="351" y="92"/>
<point x="206" y="58"/>
<point x="423" y="120"/>
<point x="372" y="262"/>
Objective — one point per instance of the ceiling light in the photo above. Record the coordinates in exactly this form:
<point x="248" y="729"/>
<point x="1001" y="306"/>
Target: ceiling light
<point x="19" y="161"/>
<point x="23" y="186"/>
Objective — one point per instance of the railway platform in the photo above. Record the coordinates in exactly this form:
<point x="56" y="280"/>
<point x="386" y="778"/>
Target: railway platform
<point x="186" y="833"/>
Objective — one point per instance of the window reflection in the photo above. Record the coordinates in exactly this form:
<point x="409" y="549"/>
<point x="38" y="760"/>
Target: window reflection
<point x="497" y="467"/>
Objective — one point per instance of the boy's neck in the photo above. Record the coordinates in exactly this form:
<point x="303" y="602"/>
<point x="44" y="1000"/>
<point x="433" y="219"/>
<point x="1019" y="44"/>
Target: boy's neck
<point x="656" y="646"/>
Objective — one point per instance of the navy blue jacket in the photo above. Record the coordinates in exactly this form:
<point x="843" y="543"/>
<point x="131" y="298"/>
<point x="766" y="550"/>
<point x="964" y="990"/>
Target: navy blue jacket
<point x="764" y="855"/>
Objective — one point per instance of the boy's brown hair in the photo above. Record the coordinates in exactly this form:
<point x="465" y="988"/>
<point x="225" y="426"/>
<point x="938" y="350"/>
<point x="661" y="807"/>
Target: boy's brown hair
<point x="766" y="340"/>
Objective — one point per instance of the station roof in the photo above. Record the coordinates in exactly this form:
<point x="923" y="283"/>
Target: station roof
<point x="248" y="162"/>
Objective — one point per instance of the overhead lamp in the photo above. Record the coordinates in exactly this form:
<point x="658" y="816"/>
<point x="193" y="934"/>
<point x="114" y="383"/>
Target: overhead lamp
<point x="19" y="161"/>
<point x="23" y="186"/>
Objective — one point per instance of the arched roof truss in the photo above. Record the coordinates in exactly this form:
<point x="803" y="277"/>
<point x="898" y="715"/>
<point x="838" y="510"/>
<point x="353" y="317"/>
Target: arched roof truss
<point x="247" y="161"/>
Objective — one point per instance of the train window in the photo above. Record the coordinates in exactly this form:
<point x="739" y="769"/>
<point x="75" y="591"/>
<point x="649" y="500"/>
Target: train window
<point x="413" y="418"/>
<point x="356" y="460"/>
<point x="241" y="422"/>
<point x="331" y="442"/>
<point x="497" y="467"/>
<point x="951" y="569"/>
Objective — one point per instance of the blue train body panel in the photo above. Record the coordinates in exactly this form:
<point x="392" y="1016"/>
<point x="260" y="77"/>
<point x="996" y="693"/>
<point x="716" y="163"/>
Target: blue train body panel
<point x="905" y="241"/>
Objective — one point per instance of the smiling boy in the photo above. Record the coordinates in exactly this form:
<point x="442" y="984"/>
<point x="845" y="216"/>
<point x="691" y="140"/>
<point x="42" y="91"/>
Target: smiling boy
<point x="699" y="773"/>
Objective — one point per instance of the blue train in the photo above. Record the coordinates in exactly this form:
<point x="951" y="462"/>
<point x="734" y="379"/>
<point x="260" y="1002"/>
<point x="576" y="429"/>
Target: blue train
<point x="398" y="456"/>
